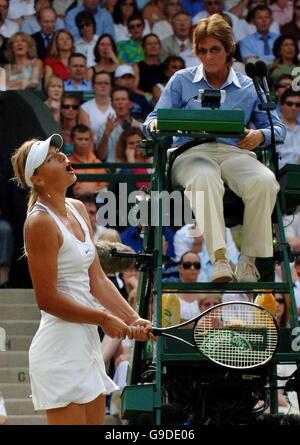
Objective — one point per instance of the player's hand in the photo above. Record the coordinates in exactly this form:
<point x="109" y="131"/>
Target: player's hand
<point x="113" y="326"/>
<point x="153" y="125"/>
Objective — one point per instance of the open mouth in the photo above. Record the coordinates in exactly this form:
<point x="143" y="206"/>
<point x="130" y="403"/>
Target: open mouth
<point x="69" y="169"/>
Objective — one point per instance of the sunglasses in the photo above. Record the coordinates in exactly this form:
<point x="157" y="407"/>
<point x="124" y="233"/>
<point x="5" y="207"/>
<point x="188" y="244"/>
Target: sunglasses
<point x="280" y="300"/>
<point x="135" y="25"/>
<point x="68" y="107"/>
<point x="292" y="104"/>
<point x="189" y="264"/>
<point x="84" y="25"/>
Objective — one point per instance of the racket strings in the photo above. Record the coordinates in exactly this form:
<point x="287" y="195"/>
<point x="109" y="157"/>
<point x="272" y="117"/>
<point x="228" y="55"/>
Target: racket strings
<point x="237" y="336"/>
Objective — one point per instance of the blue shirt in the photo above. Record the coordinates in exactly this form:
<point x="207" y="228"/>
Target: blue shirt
<point x="253" y="46"/>
<point x="84" y="85"/>
<point x="240" y="94"/>
<point x="103" y="19"/>
<point x="192" y="7"/>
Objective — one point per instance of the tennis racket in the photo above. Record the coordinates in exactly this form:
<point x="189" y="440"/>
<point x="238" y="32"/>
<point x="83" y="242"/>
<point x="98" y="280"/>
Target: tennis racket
<point x="236" y="335"/>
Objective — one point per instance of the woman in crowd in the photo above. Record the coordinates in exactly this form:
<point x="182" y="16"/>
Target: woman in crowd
<point x="171" y="65"/>
<point x="54" y="92"/>
<point x="62" y="48"/>
<point x="24" y="69"/>
<point x="105" y="56"/>
<point x="150" y="70"/>
<point x="85" y="45"/>
<point x="286" y="57"/>
<point x="124" y="9"/>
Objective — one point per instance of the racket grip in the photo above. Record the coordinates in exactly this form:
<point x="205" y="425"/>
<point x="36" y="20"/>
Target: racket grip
<point x="157" y="331"/>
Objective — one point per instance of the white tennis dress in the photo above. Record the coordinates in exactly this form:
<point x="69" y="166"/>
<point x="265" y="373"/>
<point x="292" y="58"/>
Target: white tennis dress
<point x="65" y="359"/>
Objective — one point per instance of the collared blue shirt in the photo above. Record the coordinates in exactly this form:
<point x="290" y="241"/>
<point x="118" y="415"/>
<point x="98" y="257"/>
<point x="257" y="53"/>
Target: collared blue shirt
<point x="84" y="85"/>
<point x="182" y="88"/>
<point x="103" y="19"/>
<point x="253" y="46"/>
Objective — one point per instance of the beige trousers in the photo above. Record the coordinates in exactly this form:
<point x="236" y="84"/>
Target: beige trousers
<point x="204" y="168"/>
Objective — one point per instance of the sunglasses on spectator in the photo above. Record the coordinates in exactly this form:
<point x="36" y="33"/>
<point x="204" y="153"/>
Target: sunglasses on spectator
<point x="84" y="25"/>
<point x="292" y="104"/>
<point x="135" y="25"/>
<point x="280" y="300"/>
<point x="189" y="264"/>
<point x="68" y="107"/>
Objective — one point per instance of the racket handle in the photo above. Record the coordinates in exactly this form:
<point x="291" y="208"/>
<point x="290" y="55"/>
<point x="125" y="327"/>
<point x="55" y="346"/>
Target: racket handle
<point x="157" y="331"/>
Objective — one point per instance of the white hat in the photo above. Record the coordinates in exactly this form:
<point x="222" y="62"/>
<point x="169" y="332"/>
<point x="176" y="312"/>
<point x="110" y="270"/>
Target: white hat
<point x="124" y="69"/>
<point x="38" y="153"/>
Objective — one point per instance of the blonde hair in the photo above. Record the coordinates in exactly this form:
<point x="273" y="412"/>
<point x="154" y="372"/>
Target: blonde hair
<point x="53" y="79"/>
<point x="31" y="52"/>
<point x="215" y="26"/>
<point x="18" y="161"/>
<point x="110" y="235"/>
<point x="54" y="49"/>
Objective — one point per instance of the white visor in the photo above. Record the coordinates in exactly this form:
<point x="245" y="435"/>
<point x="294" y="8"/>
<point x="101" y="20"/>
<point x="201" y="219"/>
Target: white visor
<point x="38" y="154"/>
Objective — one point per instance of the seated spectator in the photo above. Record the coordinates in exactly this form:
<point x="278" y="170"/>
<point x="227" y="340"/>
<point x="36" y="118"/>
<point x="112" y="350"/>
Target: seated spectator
<point x="292" y="230"/>
<point x="62" y="7"/>
<point x="281" y="84"/>
<point x="103" y="19"/>
<point x="109" y="132"/>
<point x="90" y="204"/>
<point x="43" y="38"/>
<point x="83" y="153"/>
<point x="206" y="301"/>
<point x="126" y="77"/>
<point x="240" y="27"/>
<point x="58" y="60"/>
<point x="69" y="118"/>
<point x="105" y="56"/>
<point x="179" y="43"/>
<point x="24" y="69"/>
<point x="282" y="309"/>
<point x="289" y="151"/>
<point x="154" y="11"/>
<point x="18" y="9"/>
<point x="31" y="25"/>
<point x="293" y="26"/>
<point x="286" y="52"/>
<point x="189" y="237"/>
<point x="54" y="92"/>
<point x="150" y="70"/>
<point x="85" y="44"/>
<point x="95" y="112"/>
<point x="282" y="11"/>
<point x="163" y="28"/>
<point x="7" y="27"/>
<point x="77" y="74"/>
<point x="123" y="10"/>
<point x="259" y="44"/>
<point x="170" y="66"/>
<point x="127" y="150"/>
<point x="131" y="50"/>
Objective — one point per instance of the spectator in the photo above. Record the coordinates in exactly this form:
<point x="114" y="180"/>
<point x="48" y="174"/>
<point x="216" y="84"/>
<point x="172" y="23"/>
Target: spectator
<point x="18" y="9"/>
<point x="171" y="65"/>
<point x="85" y="44"/>
<point x="31" y="25"/>
<point x="7" y="27"/>
<point x="125" y="9"/>
<point x="58" y="60"/>
<point x="62" y="7"/>
<point x="126" y="77"/>
<point x="83" y="153"/>
<point x="77" y="73"/>
<point x="3" y="49"/>
<point x="292" y="230"/>
<point x="150" y="70"/>
<point x="131" y="50"/>
<point x="252" y="4"/>
<point x="293" y="27"/>
<point x="240" y="28"/>
<point x="154" y="11"/>
<point x="69" y="118"/>
<point x="259" y="44"/>
<point x="289" y="151"/>
<point x="110" y="5"/>
<point x="90" y="204"/>
<point x="286" y="57"/>
<point x="105" y="54"/>
<point x="163" y="28"/>
<point x="207" y="301"/>
<point x="95" y="112"/>
<point x="43" y="38"/>
<point x="54" y="92"/>
<point x="281" y="84"/>
<point x="109" y="132"/>
<point x="24" y="69"/>
<point x="103" y="19"/>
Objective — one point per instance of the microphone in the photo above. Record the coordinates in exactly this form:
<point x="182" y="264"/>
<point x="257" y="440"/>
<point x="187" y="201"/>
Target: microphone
<point x="262" y="73"/>
<point x="251" y="71"/>
<point x="112" y="264"/>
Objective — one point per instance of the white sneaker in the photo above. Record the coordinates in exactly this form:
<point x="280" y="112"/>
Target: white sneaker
<point x="246" y="272"/>
<point x="222" y="272"/>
